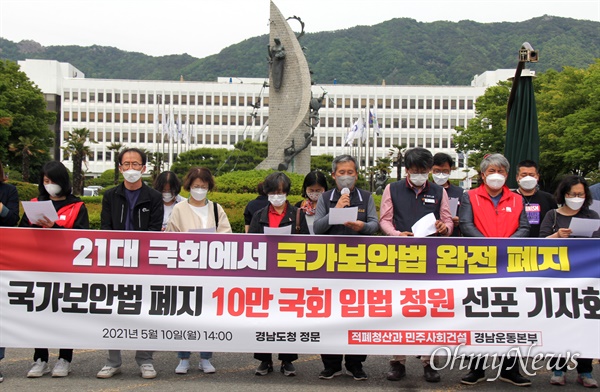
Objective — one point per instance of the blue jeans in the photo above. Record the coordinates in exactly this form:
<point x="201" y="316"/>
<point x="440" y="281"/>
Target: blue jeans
<point x="186" y="355"/>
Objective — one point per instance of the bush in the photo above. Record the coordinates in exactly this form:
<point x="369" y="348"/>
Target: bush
<point x="106" y="179"/>
<point x="26" y="190"/>
<point x="246" y="181"/>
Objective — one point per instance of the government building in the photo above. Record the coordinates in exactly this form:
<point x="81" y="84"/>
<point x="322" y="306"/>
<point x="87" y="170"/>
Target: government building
<point x="176" y="116"/>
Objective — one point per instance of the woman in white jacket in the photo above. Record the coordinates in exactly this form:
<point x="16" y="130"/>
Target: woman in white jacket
<point x="197" y="212"/>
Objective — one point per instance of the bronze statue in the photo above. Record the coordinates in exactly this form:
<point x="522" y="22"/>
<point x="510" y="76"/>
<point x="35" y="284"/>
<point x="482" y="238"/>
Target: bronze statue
<point x="276" y="62"/>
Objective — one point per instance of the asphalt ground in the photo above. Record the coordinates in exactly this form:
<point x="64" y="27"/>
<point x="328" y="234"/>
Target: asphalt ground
<point x="235" y="372"/>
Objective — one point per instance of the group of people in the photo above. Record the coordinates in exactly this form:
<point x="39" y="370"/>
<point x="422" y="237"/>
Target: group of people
<point x="490" y="210"/>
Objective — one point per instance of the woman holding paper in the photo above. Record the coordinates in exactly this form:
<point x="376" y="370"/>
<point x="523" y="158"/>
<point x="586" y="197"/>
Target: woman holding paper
<point x="575" y="197"/>
<point x="278" y="214"/>
<point x="55" y="186"/>
<point x="193" y="214"/>
<point x="315" y="183"/>
<point x="573" y="193"/>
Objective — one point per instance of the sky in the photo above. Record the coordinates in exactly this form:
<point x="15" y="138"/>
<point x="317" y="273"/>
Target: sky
<point x="204" y="27"/>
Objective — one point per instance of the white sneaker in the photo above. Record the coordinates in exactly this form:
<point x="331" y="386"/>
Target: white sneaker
<point x="108" y="372"/>
<point x="62" y="368"/>
<point x="38" y="369"/>
<point x="206" y="366"/>
<point x="148" y="371"/>
<point x="183" y="367"/>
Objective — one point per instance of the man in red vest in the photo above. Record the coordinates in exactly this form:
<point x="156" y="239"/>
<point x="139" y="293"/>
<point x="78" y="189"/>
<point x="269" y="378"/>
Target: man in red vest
<point x="492" y="210"/>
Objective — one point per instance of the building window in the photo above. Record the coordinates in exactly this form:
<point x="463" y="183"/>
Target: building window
<point x="99" y="156"/>
<point x="83" y="117"/>
<point x="92" y="117"/>
<point x="134" y="98"/>
<point x="175" y="99"/>
<point x="184" y="99"/>
<point x="192" y="99"/>
<point x="108" y="97"/>
<point x="108" y="117"/>
<point x="445" y="104"/>
<point x="405" y="103"/>
<point x="413" y="104"/>
<point x="66" y="116"/>
<point x="225" y="100"/>
<point x="208" y="100"/>
<point x="470" y="104"/>
<point x="67" y="96"/>
<point x="100" y="97"/>
<point x="83" y="97"/>
<point x="126" y="98"/>
<point x="117" y="97"/>
<point x="142" y="137"/>
<point x="117" y="117"/>
<point x="92" y="97"/>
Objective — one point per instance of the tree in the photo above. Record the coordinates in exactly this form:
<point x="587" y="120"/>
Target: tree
<point x="156" y="159"/>
<point x="569" y="107"/>
<point x="116" y="149"/>
<point x="26" y="148"/>
<point x="77" y="149"/>
<point x="486" y="132"/>
<point x="23" y="114"/>
<point x="246" y="155"/>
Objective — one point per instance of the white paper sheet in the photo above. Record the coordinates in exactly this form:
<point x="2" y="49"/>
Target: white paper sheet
<point x="339" y="216"/>
<point x="424" y="226"/>
<point x="285" y="230"/>
<point x="453" y="203"/>
<point x="583" y="227"/>
<point x="36" y="210"/>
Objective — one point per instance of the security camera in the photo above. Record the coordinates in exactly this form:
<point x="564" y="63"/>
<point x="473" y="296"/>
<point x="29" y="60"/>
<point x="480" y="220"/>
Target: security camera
<point x="528" y="54"/>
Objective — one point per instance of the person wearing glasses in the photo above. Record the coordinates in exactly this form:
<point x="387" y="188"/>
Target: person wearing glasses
<point x="132" y="206"/>
<point x="575" y="198"/>
<point x="403" y="204"/>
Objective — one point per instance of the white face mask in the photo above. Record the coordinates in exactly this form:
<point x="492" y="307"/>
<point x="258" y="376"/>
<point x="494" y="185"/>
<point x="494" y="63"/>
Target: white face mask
<point x="198" y="194"/>
<point x="53" y="189"/>
<point x="440" y="178"/>
<point x="574" y="203"/>
<point x="418" y="179"/>
<point x="132" y="176"/>
<point x="528" y="183"/>
<point x="277" y="200"/>
<point x="495" y="181"/>
<point x="168" y="196"/>
<point x="314" y="196"/>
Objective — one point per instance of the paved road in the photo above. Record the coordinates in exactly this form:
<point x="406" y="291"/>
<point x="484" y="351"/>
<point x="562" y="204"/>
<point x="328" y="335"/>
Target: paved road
<point x="235" y="372"/>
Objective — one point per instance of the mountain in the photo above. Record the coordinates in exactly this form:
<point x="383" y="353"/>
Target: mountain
<point x="399" y="51"/>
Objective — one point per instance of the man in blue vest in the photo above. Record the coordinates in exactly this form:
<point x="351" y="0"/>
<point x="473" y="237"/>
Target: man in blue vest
<point x="403" y="204"/>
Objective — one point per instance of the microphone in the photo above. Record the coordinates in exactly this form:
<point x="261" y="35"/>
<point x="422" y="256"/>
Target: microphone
<point x="345" y="191"/>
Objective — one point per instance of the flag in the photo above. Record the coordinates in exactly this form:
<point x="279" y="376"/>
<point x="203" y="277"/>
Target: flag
<point x="156" y="125"/>
<point x="165" y="125"/>
<point x="171" y="122"/>
<point x="373" y="122"/>
<point x="356" y="132"/>
<point x="178" y="128"/>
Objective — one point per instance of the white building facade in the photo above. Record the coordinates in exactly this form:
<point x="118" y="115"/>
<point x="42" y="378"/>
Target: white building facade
<point x="176" y="116"/>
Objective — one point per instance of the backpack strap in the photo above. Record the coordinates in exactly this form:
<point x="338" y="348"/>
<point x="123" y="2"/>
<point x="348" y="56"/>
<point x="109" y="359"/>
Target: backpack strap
<point x="216" y="212"/>
<point x="298" y="220"/>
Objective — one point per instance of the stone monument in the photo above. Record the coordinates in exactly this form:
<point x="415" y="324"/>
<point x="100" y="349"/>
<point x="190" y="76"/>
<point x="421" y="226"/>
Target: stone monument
<point x="290" y="133"/>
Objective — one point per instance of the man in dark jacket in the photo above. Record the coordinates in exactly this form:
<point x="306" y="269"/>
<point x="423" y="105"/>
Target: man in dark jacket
<point x="131" y="206"/>
<point x="345" y="194"/>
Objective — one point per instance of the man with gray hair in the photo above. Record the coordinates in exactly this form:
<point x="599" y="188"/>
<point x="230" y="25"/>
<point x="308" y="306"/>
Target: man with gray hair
<point x="492" y="210"/>
<point x="345" y="194"/>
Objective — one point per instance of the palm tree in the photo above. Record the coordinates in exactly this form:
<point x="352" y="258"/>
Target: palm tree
<point x="26" y="148"/>
<point x="116" y="148"/>
<point x="156" y="159"/>
<point x="78" y="151"/>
